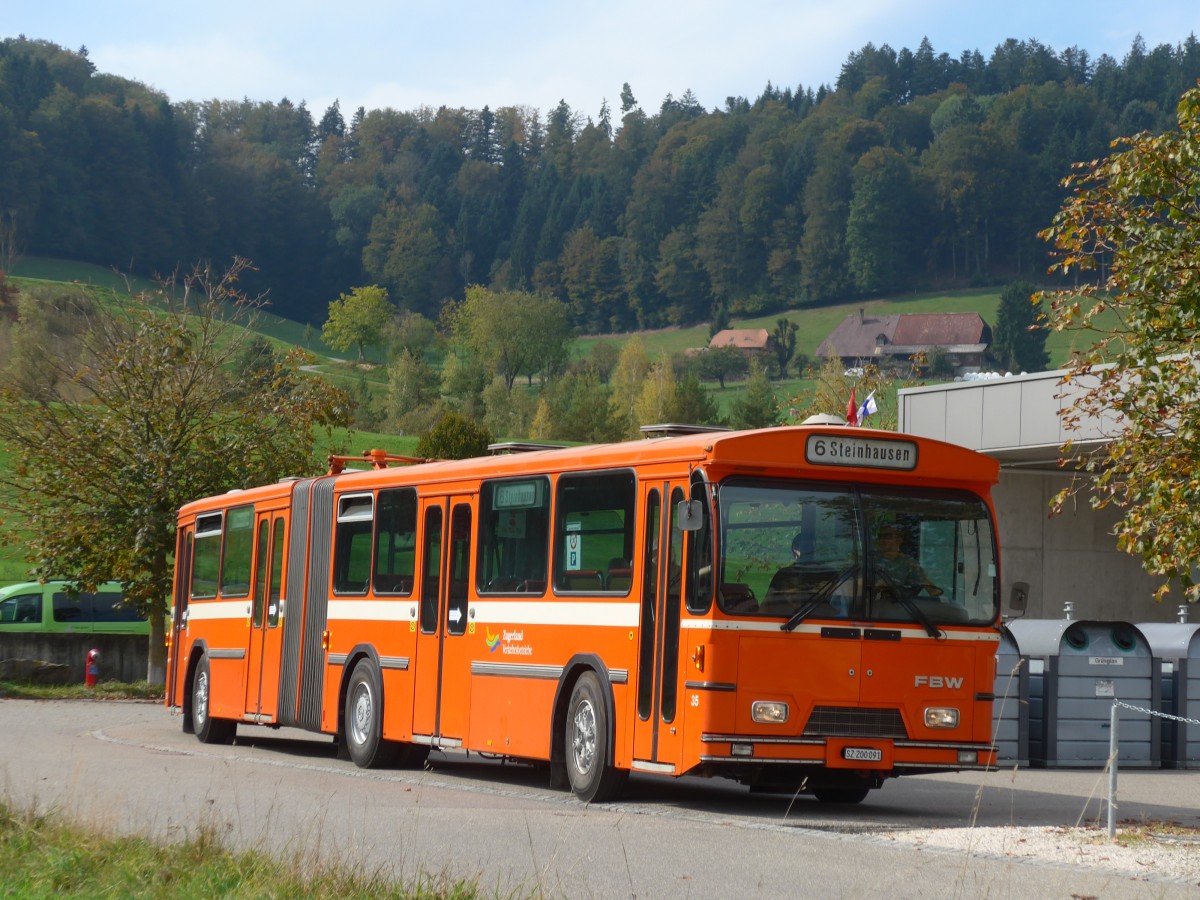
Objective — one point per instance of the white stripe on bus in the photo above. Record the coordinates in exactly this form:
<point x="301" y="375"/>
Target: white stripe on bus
<point x="390" y="610"/>
<point x="950" y="633"/>
<point x="534" y="612"/>
<point x="218" y="609"/>
<point x="555" y="612"/>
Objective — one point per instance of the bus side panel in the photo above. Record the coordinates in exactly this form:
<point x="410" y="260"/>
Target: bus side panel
<point x="512" y="716"/>
<point x="391" y="633"/>
<point x="707" y="681"/>
<point x="513" y="674"/>
<point x="397" y="646"/>
<point x="619" y="653"/>
<point x="985" y="674"/>
<point x="225" y="632"/>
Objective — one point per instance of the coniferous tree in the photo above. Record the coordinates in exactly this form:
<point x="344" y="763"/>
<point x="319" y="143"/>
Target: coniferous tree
<point x="756" y="407"/>
<point x="1019" y="338"/>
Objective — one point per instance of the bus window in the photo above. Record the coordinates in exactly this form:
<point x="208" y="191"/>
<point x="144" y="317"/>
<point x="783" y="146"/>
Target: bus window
<point x="260" y="584"/>
<point x="941" y="556"/>
<point x="460" y="568"/>
<point x="514" y="536"/>
<point x="431" y="569"/>
<point x="206" y="560"/>
<point x="786" y="546"/>
<point x="237" y="552"/>
<point x="699" y="593"/>
<point x="352" y="543"/>
<point x="670" y="667"/>
<point x="276" y="598"/>
<point x="649" y="605"/>
<point x="395" y="542"/>
<point x="896" y="555"/>
<point x="594" y="532"/>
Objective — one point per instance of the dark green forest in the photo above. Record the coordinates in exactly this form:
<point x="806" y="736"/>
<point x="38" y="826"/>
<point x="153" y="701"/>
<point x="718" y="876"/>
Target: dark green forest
<point x="915" y="169"/>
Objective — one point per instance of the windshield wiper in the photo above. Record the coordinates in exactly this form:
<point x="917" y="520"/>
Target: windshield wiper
<point x="910" y="605"/>
<point x="816" y="600"/>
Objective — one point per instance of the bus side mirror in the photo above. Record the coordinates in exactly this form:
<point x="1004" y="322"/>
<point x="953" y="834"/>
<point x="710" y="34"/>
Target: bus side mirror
<point x="690" y="515"/>
<point x="1019" y="599"/>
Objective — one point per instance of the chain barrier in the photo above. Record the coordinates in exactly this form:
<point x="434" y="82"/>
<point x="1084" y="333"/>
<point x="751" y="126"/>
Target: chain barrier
<point x="1155" y="712"/>
<point x="1113" y="753"/>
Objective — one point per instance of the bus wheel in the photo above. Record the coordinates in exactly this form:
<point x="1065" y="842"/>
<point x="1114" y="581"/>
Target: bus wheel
<point x="591" y="778"/>
<point x="841" y="795"/>
<point x="363" y="726"/>
<point x="206" y="728"/>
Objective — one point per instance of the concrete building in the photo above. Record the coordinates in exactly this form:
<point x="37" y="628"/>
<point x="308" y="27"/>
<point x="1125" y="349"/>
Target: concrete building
<point x="1067" y="558"/>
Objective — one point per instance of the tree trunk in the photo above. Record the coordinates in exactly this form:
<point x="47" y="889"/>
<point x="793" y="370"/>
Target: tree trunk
<point x="156" y="658"/>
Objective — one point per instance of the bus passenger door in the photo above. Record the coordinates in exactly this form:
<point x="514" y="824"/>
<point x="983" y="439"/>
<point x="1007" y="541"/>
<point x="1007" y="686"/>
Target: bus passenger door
<point x="178" y="623"/>
<point x="657" y="729"/>
<point x="265" y="644"/>
<point x="441" y="702"/>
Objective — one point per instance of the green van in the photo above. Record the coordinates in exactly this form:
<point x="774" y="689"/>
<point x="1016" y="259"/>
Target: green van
<point x="52" y="607"/>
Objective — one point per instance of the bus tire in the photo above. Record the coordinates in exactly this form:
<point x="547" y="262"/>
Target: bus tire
<point x="592" y="778"/>
<point x="844" y="795"/>
<point x="364" y="726"/>
<point x="207" y="729"/>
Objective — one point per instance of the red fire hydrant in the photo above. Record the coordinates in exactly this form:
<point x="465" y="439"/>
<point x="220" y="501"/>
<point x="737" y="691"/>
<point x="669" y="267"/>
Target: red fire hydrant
<point x="92" y="670"/>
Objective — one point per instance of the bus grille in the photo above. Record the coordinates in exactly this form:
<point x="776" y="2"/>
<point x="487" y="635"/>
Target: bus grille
<point x="839" y="721"/>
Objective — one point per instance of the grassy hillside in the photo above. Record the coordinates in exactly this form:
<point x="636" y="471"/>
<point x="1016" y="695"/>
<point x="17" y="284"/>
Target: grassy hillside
<point x="44" y="270"/>
<point x="813" y="324"/>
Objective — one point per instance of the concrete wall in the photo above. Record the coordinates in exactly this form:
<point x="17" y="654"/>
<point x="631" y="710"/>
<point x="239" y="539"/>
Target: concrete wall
<point x="1071" y="556"/>
<point x="123" y="657"/>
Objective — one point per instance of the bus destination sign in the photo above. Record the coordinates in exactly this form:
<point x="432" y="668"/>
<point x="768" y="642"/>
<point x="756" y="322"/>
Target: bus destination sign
<point x="871" y="453"/>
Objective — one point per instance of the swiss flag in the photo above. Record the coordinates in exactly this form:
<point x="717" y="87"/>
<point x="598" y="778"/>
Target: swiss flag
<point x="852" y="410"/>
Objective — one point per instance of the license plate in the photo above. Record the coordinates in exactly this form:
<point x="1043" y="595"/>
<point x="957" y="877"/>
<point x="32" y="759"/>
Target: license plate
<point x="866" y="754"/>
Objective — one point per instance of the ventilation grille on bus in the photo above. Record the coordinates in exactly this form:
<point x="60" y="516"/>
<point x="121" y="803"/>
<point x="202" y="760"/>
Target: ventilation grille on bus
<point x="837" y="721"/>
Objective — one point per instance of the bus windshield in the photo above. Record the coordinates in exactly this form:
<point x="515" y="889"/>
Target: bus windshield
<point x="814" y="551"/>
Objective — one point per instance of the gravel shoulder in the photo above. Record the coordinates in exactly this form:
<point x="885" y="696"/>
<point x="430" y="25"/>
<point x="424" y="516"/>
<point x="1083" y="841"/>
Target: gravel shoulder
<point x="1161" y="858"/>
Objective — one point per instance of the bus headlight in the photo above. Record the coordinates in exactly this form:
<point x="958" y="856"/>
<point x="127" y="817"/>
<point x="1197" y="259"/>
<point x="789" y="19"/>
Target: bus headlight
<point x="941" y="717"/>
<point x="769" y="712"/>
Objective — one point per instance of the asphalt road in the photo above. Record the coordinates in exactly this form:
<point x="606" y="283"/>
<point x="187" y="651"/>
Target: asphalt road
<point x="128" y="767"/>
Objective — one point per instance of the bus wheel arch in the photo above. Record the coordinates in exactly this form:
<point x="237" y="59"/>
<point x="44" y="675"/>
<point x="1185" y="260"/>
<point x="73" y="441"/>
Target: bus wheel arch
<point x="584" y="733"/>
<point x="207" y="728"/>
<point x="562" y="698"/>
<point x="361" y="716"/>
<point x="186" y="699"/>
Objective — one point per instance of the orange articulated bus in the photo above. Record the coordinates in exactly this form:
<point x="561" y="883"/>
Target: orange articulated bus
<point x="808" y="608"/>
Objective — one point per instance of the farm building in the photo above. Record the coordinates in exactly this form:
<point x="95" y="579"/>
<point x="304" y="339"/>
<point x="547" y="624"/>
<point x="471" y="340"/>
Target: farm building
<point x="890" y="341"/>
<point x="752" y="342"/>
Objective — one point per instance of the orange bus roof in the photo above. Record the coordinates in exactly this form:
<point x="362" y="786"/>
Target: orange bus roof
<point x="768" y="452"/>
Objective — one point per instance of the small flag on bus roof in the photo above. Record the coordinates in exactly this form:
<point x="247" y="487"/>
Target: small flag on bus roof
<point x="852" y="410"/>
<point x="868" y="408"/>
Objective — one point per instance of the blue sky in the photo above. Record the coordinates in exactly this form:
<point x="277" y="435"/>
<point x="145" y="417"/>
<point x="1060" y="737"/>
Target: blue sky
<point x="401" y="54"/>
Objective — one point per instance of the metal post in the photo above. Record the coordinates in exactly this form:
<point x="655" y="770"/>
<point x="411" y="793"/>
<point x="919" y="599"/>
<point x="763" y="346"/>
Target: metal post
<point x="1112" y="774"/>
